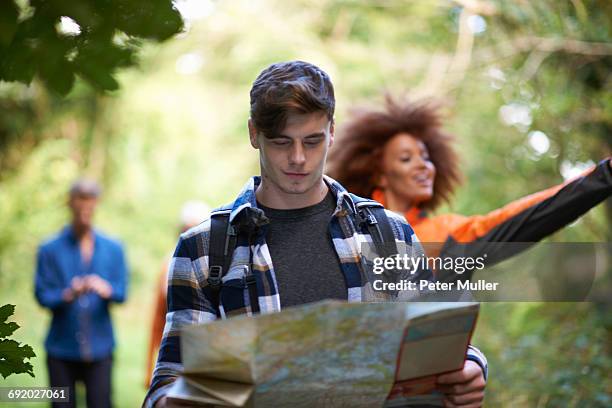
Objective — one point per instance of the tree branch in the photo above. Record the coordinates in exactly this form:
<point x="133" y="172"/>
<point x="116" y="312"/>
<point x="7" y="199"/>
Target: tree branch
<point x="546" y="45"/>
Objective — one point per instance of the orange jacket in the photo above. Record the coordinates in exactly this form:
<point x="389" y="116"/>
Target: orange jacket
<point x="158" y="322"/>
<point x="528" y="219"/>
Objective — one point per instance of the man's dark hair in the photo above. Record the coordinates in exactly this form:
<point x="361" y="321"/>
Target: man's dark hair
<point x="289" y="87"/>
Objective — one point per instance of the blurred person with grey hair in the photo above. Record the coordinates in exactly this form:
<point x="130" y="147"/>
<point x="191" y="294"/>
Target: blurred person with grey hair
<point x="79" y="273"/>
<point x="192" y="214"/>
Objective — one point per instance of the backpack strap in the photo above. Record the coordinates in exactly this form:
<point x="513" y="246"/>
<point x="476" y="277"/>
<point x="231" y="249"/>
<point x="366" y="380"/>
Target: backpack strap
<point x="222" y="243"/>
<point x="251" y="284"/>
<point x="372" y="214"/>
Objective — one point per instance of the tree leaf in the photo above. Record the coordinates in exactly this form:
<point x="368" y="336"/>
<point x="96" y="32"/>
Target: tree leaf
<point x="8" y="21"/>
<point x="6" y="329"/>
<point x="12" y="358"/>
<point x="6" y="311"/>
<point x="34" y="46"/>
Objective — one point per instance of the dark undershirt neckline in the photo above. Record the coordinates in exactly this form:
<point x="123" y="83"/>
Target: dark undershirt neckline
<point x="298" y="213"/>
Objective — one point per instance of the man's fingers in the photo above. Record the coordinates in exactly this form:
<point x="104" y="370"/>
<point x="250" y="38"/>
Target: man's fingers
<point x="99" y="285"/>
<point x="86" y="283"/>
<point x="477" y="384"/>
<point x="474" y="397"/>
<point x="469" y="371"/>
<point x="448" y="404"/>
<point x="95" y="283"/>
<point x="180" y="404"/>
<point x="456" y="377"/>
<point x="91" y="279"/>
<point x="77" y="284"/>
<point x="464" y="388"/>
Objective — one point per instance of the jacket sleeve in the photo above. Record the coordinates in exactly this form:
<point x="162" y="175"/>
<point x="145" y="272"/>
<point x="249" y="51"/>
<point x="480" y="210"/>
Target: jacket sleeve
<point x="119" y="278"/>
<point x="48" y="283"/>
<point x="188" y="303"/>
<point x="538" y="215"/>
<point x="477" y="356"/>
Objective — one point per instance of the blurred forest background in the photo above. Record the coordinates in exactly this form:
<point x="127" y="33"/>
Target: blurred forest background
<point x="156" y="110"/>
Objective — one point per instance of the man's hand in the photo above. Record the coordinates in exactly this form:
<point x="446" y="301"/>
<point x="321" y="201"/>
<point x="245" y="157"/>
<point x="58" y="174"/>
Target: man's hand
<point x="98" y="285"/>
<point x="463" y="388"/>
<point x="161" y="403"/>
<point x="164" y="403"/>
<point x="77" y="286"/>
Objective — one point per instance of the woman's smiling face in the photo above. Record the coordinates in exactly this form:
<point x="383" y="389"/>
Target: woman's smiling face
<point x="407" y="172"/>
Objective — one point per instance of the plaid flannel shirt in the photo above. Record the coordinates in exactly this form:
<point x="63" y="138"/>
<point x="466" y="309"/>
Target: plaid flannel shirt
<point x="189" y="295"/>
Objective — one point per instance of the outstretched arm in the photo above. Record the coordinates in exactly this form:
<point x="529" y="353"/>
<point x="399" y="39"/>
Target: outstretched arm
<point x="538" y="215"/>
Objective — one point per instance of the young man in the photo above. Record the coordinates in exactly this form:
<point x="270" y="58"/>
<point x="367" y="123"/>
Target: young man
<point x="298" y="234"/>
<point x="79" y="273"/>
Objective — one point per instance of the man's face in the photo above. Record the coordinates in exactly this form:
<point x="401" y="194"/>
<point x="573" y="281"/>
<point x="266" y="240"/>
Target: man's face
<point x="292" y="162"/>
<point x="82" y="207"/>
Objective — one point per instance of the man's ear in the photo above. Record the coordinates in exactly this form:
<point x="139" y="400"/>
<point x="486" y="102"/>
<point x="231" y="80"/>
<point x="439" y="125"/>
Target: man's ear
<point x="253" y="134"/>
<point x="332" y="129"/>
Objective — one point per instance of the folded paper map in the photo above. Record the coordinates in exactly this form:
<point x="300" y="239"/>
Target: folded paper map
<point x="325" y="354"/>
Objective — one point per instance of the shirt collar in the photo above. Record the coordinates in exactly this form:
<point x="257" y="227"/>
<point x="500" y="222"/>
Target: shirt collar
<point x="246" y="199"/>
<point x="414" y="215"/>
<point x="68" y="232"/>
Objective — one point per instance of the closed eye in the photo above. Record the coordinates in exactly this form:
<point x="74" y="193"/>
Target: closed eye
<point x="280" y="142"/>
<point x="312" y="142"/>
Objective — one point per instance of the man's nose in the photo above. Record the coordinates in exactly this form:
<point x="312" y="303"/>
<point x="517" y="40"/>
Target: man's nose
<point x="297" y="155"/>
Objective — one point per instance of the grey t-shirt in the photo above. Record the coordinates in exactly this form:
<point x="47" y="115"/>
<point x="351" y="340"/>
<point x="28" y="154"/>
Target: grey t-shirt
<point x="305" y="262"/>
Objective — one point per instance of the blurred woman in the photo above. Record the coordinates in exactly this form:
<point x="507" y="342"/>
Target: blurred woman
<point x="401" y="157"/>
<point x="192" y="214"/>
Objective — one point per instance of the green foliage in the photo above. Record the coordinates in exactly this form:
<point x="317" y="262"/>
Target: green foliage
<point x="6" y="329"/>
<point x="38" y="41"/>
<point x="12" y="354"/>
<point x="552" y="354"/>
<point x="105" y="37"/>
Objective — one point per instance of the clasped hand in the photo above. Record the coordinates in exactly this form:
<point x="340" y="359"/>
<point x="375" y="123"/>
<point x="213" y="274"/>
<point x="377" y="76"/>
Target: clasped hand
<point x="88" y="283"/>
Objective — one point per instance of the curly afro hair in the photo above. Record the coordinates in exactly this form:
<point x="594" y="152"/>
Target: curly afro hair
<point x="355" y="159"/>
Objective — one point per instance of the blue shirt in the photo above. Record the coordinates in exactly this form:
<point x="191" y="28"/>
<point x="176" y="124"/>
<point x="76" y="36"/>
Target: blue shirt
<point x="81" y="330"/>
